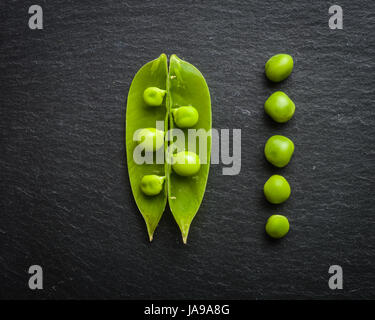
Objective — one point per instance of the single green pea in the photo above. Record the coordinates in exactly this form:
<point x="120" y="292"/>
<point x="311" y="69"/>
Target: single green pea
<point x="279" y="67"/>
<point x="185" y="117"/>
<point x="279" y="107"/>
<point x="152" y="184"/>
<point x="154" y="96"/>
<point x="277" y="226"/>
<point x="276" y="189"/>
<point x="186" y="163"/>
<point x="152" y="139"/>
<point x="279" y="150"/>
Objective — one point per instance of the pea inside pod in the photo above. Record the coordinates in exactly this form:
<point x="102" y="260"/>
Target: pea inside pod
<point x="185" y="117"/>
<point x="152" y="184"/>
<point x="151" y="138"/>
<point x="154" y="96"/>
<point x="186" y="163"/>
<point x="180" y="96"/>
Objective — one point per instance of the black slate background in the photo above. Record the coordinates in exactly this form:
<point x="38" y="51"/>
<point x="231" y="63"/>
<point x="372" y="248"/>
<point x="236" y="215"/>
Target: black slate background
<point x="65" y="199"/>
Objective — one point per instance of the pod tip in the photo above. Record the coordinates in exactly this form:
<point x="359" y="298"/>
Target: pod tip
<point x="184" y="232"/>
<point x="185" y="236"/>
<point x="150" y="230"/>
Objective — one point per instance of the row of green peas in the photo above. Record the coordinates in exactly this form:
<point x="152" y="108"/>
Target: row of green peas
<point x="278" y="149"/>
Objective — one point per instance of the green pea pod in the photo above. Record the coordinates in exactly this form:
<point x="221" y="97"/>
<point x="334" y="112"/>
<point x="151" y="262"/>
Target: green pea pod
<point x="139" y="115"/>
<point x="187" y="87"/>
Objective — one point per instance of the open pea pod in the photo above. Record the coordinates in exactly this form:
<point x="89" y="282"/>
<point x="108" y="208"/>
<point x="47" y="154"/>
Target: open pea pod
<point x="187" y="87"/>
<point x="139" y="115"/>
<point x="187" y="106"/>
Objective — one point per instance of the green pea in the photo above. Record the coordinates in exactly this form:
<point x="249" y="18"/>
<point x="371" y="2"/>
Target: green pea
<point x="154" y="96"/>
<point x="277" y="226"/>
<point x="279" y="150"/>
<point x="279" y="107"/>
<point x="185" y="117"/>
<point x="152" y="184"/>
<point x="186" y="163"/>
<point x="276" y="189"/>
<point x="279" y="67"/>
<point x="152" y="139"/>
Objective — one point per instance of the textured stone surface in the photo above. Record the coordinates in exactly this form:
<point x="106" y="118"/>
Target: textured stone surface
<point x="65" y="198"/>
